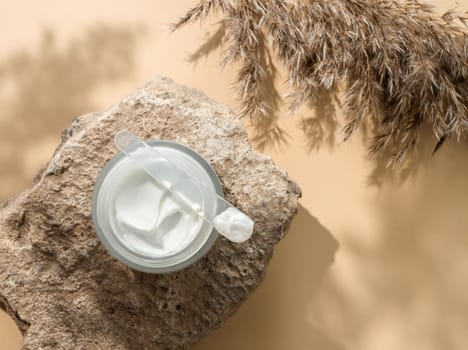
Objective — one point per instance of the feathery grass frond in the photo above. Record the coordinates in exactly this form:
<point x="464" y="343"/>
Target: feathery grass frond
<point x="401" y="65"/>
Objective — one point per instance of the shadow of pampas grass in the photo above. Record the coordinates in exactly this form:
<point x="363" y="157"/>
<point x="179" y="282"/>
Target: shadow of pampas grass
<point x="398" y="65"/>
<point x="42" y="91"/>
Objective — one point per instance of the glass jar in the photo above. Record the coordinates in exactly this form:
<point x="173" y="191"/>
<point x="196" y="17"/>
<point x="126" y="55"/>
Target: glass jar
<point x="111" y="181"/>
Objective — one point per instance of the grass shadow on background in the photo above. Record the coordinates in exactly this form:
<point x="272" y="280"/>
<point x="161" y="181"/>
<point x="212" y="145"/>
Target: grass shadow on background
<point x="270" y="319"/>
<point x="320" y="124"/>
<point x="41" y="92"/>
<point x="414" y="164"/>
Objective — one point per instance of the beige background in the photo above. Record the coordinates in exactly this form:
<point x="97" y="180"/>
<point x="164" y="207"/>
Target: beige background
<point x="371" y="262"/>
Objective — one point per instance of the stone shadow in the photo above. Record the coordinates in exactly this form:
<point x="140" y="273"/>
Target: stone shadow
<point x="275" y="316"/>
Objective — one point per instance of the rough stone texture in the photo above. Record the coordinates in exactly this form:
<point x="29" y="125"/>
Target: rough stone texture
<point x="62" y="287"/>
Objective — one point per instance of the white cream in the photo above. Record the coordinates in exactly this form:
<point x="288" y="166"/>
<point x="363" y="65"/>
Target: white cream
<point x="143" y="215"/>
<point x="150" y="221"/>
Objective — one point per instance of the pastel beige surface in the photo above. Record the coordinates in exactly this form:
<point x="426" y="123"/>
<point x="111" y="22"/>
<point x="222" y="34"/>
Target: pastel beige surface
<point x="364" y="266"/>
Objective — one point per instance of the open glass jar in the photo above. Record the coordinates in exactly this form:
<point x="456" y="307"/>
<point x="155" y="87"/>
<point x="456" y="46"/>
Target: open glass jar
<point x="133" y="215"/>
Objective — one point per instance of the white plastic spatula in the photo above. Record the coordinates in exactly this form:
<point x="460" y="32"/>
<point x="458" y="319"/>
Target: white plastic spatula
<point x="227" y="220"/>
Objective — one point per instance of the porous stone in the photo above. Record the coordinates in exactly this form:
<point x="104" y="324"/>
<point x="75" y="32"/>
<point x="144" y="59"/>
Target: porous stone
<point x="64" y="289"/>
